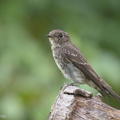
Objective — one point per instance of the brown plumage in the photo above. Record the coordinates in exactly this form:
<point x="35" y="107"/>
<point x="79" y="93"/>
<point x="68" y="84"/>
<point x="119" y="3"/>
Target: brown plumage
<point x="74" y="66"/>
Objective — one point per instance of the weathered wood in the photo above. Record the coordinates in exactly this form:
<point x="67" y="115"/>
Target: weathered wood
<point x="73" y="103"/>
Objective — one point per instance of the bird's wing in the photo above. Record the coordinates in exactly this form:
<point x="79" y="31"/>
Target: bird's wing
<point x="73" y="55"/>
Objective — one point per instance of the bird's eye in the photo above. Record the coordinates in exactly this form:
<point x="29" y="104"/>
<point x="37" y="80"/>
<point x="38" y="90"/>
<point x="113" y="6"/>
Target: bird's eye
<point x="60" y="35"/>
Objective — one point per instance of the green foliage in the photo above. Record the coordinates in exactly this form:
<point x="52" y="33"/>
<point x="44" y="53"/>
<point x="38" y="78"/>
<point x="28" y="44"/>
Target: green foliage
<point x="29" y="78"/>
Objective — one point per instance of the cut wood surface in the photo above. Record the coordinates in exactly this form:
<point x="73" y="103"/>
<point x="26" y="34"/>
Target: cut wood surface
<point x="74" y="103"/>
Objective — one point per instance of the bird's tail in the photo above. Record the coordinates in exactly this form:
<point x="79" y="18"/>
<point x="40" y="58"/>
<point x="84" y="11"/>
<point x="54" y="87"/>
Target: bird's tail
<point x="105" y="89"/>
<point x="109" y="91"/>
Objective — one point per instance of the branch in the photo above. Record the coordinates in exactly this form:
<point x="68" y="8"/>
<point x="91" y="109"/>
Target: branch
<point x="73" y="103"/>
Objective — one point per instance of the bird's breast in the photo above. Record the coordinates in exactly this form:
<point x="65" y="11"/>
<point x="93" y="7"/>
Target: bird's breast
<point x="68" y="70"/>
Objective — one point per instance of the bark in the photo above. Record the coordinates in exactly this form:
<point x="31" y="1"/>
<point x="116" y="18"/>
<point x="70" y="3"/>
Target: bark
<point x="73" y="103"/>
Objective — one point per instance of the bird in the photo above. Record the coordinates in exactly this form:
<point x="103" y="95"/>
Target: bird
<point x="74" y="66"/>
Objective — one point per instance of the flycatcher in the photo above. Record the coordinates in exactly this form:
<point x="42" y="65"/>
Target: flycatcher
<point x="73" y="65"/>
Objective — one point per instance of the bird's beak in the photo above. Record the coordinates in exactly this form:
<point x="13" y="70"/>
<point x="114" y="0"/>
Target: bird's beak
<point x="48" y="36"/>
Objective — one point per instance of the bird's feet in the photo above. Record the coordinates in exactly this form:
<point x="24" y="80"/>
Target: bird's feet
<point x="73" y="84"/>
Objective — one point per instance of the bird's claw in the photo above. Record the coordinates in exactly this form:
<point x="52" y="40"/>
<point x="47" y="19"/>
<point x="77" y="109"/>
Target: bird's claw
<point x="73" y="84"/>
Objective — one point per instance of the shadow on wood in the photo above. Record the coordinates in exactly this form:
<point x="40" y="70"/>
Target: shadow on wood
<point x="73" y="103"/>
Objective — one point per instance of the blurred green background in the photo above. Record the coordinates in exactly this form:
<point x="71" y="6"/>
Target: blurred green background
<point x="29" y="78"/>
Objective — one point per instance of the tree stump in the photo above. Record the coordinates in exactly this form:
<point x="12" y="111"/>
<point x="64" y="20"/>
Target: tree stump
<point x="73" y="103"/>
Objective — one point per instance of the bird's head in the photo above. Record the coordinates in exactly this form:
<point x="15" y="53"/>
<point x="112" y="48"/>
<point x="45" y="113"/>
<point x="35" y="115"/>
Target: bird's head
<point x="58" y="37"/>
